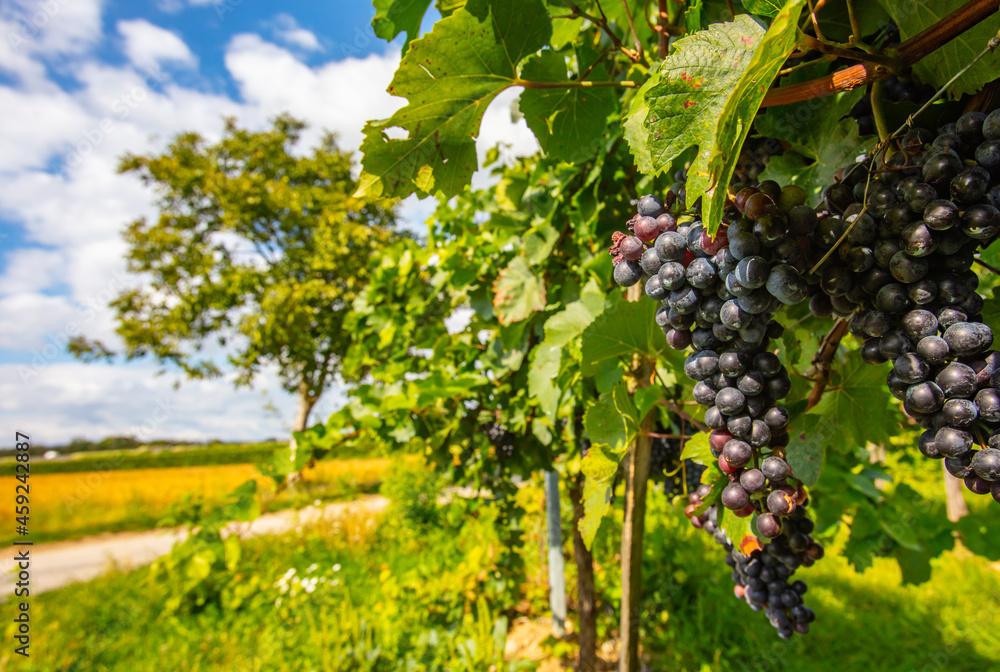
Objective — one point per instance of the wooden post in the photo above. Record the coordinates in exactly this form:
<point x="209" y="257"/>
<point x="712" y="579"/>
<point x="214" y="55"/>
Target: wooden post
<point x="557" y="572"/>
<point x="637" y="475"/>
<point x="586" y="604"/>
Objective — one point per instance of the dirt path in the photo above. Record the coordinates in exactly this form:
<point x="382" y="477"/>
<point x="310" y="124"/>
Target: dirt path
<point x="57" y="564"/>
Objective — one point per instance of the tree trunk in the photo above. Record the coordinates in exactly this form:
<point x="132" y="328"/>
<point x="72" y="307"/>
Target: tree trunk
<point x="557" y="571"/>
<point x="306" y="403"/>
<point x="637" y="474"/>
<point x="954" y="501"/>
<point x="586" y="603"/>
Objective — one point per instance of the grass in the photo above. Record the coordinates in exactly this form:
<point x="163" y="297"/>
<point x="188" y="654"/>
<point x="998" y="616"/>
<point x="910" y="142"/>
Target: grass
<point x="72" y="505"/>
<point x="392" y="595"/>
<point x="385" y="599"/>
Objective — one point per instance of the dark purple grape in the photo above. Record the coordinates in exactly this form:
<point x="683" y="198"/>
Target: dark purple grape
<point x="753" y="480"/>
<point x="911" y="368"/>
<point x="672" y="275"/>
<point x="650" y="206"/>
<point x="941" y="215"/>
<point x="737" y="453"/>
<point x="960" y="413"/>
<point x="734" y="497"/>
<point x="952" y="442"/>
<point x="988" y="155"/>
<point x="650" y="262"/>
<point x="923" y="398"/>
<point x="957" y="380"/>
<point x="968" y="338"/>
<point x="627" y="273"/>
<point x="671" y="246"/>
<point x="933" y="349"/>
<point x="730" y="401"/>
<point x="986" y="464"/>
<point x="988" y="401"/>
<point x="768" y="525"/>
<point x="959" y="467"/>
<point x="977" y="485"/>
<point x="774" y="468"/>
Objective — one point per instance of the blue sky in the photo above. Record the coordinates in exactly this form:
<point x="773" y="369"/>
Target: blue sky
<point x="84" y="81"/>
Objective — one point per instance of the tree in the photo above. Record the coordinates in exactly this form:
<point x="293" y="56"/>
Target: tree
<point x="258" y="253"/>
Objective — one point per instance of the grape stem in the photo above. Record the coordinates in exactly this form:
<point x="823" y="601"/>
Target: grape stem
<point x="878" y="111"/>
<point x="602" y="23"/>
<point x="908" y="53"/>
<point x="820" y="369"/>
<point x="663" y="21"/>
<point x="982" y="263"/>
<point x="656" y="435"/>
<point x="684" y="415"/>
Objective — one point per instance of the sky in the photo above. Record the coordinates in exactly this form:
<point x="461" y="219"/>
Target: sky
<point x="82" y="82"/>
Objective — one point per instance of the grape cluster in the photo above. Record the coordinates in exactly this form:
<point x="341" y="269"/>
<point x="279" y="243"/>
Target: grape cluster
<point x="665" y="466"/>
<point x="501" y="440"/>
<point x="717" y="297"/>
<point x="903" y="273"/>
<point x="763" y="575"/>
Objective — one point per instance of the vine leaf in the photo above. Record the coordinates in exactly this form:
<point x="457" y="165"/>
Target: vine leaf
<point x="569" y="123"/>
<point x="613" y="421"/>
<point x="822" y="139"/>
<point x="612" y="424"/>
<point x="449" y="77"/>
<point x="599" y="468"/>
<point x="846" y="412"/>
<point x="517" y="292"/>
<point x="766" y="8"/>
<point x="698" y="450"/>
<point x="542" y="385"/>
<point x="942" y="64"/>
<point x="393" y="17"/>
<point x="570" y="322"/>
<point x="706" y="93"/>
<point x="624" y="328"/>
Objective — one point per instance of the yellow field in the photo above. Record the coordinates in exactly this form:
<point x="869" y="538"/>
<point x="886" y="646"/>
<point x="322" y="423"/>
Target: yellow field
<point x="68" y="505"/>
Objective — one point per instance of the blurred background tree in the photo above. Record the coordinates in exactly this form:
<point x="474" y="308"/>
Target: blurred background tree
<point x="257" y="256"/>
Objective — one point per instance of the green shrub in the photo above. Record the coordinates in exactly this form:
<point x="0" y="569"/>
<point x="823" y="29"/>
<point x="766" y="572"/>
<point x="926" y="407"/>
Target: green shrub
<point x="413" y="491"/>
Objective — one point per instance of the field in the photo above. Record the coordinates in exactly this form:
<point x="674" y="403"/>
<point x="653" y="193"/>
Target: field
<point x="392" y="593"/>
<point x="148" y="458"/>
<point x="75" y="504"/>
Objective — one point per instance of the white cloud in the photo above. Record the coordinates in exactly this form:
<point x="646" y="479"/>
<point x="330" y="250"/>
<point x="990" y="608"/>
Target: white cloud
<point x="287" y="30"/>
<point x="147" y="45"/>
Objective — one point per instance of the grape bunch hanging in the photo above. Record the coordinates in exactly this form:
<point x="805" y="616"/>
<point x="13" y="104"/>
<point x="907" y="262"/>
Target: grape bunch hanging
<point x="890" y="248"/>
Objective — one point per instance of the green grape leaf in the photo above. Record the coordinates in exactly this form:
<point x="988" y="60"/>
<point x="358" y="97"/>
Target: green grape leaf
<point x="613" y="421"/>
<point x="517" y="292"/>
<point x="805" y="456"/>
<point x="449" y="77"/>
<point x="570" y="322"/>
<point x="698" y="450"/>
<point x="822" y="139"/>
<point x="846" y="410"/>
<point x="599" y="467"/>
<point x="538" y="243"/>
<point x="624" y="328"/>
<point x="944" y="63"/>
<point x="569" y="123"/>
<point x="766" y="8"/>
<point x="545" y="361"/>
<point x="741" y="531"/>
<point x="867" y="540"/>
<point x="706" y="93"/>
<point x="392" y="17"/>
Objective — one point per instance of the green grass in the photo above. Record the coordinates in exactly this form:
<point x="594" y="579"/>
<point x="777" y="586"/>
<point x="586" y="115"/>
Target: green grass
<point x="403" y="597"/>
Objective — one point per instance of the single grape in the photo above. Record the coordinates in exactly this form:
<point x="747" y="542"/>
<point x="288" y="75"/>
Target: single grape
<point x="627" y="273"/>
